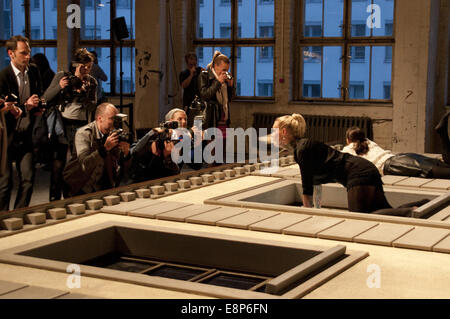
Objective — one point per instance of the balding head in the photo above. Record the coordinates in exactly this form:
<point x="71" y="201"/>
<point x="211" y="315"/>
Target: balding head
<point x="104" y="115"/>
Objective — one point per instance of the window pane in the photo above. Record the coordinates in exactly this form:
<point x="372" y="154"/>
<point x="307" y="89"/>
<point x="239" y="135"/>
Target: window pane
<point x="50" y="53"/>
<point x="381" y="72"/>
<point x="104" y="61"/>
<point x="387" y="18"/>
<point x="246" y="71"/>
<point x="313" y="18"/>
<point x="205" y="19"/>
<point x="312" y="71"/>
<point x="359" y="72"/>
<point x="264" y="71"/>
<point x="332" y="72"/>
<point x="12" y="18"/>
<point x="359" y="18"/>
<point x="265" y="18"/>
<point x="125" y="8"/>
<point x="128" y="70"/>
<point x="333" y="13"/>
<point x="246" y="18"/>
<point x="222" y="18"/>
<point x="95" y="17"/>
<point x="39" y="30"/>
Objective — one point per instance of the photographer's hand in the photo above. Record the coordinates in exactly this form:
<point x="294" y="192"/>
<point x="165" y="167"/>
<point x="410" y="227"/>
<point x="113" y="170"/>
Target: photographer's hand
<point x="32" y="102"/>
<point x="64" y="82"/>
<point x="168" y="147"/>
<point x="16" y="111"/>
<point x="111" y="141"/>
<point x="125" y="148"/>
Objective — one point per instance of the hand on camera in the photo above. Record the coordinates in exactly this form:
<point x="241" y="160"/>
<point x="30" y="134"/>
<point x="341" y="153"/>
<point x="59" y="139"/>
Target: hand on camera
<point x="111" y="141"/>
<point x="64" y="82"/>
<point x="32" y="102"/>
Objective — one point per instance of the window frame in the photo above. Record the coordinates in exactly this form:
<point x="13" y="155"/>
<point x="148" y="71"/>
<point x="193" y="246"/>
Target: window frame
<point x="28" y="7"/>
<point x="113" y="45"/>
<point x="235" y="42"/>
<point x="346" y="41"/>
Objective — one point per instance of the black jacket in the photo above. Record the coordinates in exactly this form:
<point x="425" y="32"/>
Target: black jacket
<point x="208" y="86"/>
<point x="8" y="85"/>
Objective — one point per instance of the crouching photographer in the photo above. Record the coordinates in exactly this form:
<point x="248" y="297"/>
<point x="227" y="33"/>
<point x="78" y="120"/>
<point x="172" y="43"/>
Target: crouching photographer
<point x="151" y="155"/>
<point x="101" y="154"/>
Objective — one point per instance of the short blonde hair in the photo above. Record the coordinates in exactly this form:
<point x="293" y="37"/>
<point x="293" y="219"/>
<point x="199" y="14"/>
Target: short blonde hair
<point x="295" y="123"/>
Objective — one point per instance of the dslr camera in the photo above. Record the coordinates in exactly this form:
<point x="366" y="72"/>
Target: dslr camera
<point x="165" y="135"/>
<point x="119" y="121"/>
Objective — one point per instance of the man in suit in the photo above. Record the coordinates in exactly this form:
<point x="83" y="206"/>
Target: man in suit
<point x="22" y="80"/>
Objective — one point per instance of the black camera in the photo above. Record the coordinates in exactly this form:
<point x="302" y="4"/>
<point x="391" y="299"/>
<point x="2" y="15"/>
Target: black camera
<point x="10" y="98"/>
<point x="119" y="121"/>
<point x="196" y="112"/>
<point x="229" y="76"/>
<point x="165" y="134"/>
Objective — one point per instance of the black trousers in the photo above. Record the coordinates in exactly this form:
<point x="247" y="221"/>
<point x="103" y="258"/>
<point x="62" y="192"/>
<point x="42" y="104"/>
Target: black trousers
<point x="23" y="156"/>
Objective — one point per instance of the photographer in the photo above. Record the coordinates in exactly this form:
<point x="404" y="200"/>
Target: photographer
<point x="99" y="155"/>
<point x="216" y="86"/>
<point x="151" y="155"/>
<point x="72" y="95"/>
<point x="20" y="85"/>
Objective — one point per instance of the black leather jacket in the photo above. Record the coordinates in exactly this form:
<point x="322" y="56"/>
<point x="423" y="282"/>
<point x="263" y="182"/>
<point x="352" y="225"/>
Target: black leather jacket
<point x="208" y="86"/>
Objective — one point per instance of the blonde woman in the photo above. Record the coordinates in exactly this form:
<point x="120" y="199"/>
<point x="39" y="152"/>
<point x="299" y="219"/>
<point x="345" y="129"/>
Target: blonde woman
<point x="320" y="164"/>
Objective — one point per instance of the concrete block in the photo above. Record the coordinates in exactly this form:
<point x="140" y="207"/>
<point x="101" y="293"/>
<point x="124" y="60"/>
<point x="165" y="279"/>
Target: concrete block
<point x="229" y="173"/>
<point x="76" y="209"/>
<point x="442" y="184"/>
<point x="171" y="187"/>
<point x="249" y="168"/>
<point x="423" y="238"/>
<point x="32" y="292"/>
<point x="184" y="183"/>
<point x="196" y="181"/>
<point x="413" y="182"/>
<point x="239" y="170"/>
<point x="443" y="246"/>
<point x="57" y="213"/>
<point x="154" y="210"/>
<point x="35" y="218"/>
<point x="279" y="222"/>
<point x="181" y="214"/>
<point x="312" y="226"/>
<point x="219" y="176"/>
<point x="443" y="214"/>
<point x="392" y="179"/>
<point x="244" y="220"/>
<point x="143" y="193"/>
<point x="207" y="178"/>
<point x="212" y="217"/>
<point x="94" y="204"/>
<point x="111" y="200"/>
<point x="347" y="230"/>
<point x="12" y="223"/>
<point x="157" y="190"/>
<point x="125" y="207"/>
<point x="127" y="196"/>
<point x="383" y="234"/>
<point x="7" y="287"/>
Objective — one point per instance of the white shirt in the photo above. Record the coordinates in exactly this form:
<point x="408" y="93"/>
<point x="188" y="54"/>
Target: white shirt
<point x="24" y="92"/>
<point x="377" y="155"/>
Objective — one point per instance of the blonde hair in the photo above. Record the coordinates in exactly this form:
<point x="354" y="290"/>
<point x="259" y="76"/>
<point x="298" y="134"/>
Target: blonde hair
<point x="295" y="123"/>
<point x="218" y="58"/>
<point x="169" y="116"/>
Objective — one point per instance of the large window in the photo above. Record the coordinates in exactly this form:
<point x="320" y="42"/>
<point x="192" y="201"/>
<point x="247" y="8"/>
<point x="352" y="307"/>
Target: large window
<point x="35" y="19"/>
<point x="345" y="50"/>
<point x="96" y="34"/>
<point x="244" y="31"/>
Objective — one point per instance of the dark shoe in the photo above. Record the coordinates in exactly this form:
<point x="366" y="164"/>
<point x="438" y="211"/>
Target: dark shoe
<point x="442" y="127"/>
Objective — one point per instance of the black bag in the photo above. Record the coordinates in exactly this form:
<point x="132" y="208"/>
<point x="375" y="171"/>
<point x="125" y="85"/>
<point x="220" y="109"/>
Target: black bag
<point x="39" y="134"/>
<point x="74" y="178"/>
<point x="196" y="112"/>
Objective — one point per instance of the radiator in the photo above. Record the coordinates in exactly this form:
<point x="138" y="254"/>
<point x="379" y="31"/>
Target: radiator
<point x="322" y="128"/>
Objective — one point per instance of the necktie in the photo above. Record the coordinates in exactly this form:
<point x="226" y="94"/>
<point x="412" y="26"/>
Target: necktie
<point x="24" y="94"/>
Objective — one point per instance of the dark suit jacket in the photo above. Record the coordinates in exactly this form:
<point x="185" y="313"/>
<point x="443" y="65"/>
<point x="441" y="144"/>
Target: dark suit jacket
<point x="8" y="85"/>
